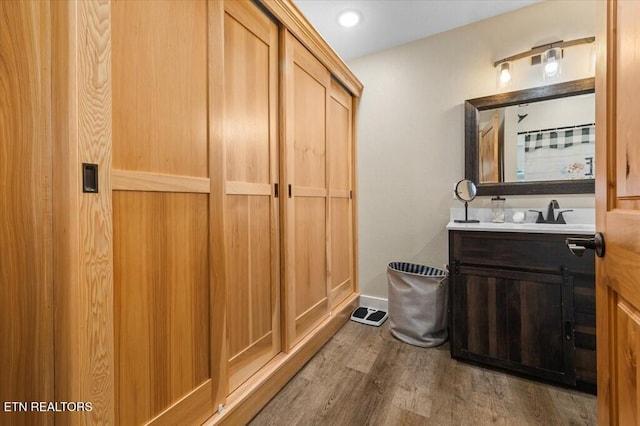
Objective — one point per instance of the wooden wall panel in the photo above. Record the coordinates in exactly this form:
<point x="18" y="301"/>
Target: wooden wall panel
<point x="159" y="53"/>
<point x="26" y="290"/>
<point x="161" y="277"/>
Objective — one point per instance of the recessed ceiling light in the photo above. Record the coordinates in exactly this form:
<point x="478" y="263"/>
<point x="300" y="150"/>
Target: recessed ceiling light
<point x="349" y="18"/>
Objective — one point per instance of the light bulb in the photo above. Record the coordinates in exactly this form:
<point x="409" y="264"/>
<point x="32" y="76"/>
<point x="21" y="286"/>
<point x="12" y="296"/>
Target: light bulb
<point x="551" y="68"/>
<point x="505" y="76"/>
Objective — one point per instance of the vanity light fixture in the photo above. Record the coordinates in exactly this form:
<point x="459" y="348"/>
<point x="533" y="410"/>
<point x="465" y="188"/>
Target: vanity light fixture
<point x="503" y="74"/>
<point x="549" y="55"/>
<point x="349" y="18"/>
<point x="551" y="63"/>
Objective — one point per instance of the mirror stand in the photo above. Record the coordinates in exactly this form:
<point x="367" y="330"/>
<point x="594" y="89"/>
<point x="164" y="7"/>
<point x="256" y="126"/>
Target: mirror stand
<point x="466" y="191"/>
<point x="466" y="215"/>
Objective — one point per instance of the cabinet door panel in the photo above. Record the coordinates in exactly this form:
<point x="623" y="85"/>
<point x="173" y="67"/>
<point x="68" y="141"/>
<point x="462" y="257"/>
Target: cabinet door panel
<point x="307" y="206"/>
<point x="339" y="137"/>
<point x="309" y="143"/>
<point x="247" y="63"/>
<point x="161" y="297"/>
<point x="341" y="250"/>
<point x="310" y="248"/>
<point x="541" y="331"/>
<point x="162" y="282"/>
<point x="159" y="65"/>
<point x="512" y="317"/>
<point x="251" y="288"/>
<point x="340" y="151"/>
<point x="250" y="209"/>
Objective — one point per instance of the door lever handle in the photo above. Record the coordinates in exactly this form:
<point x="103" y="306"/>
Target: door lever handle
<point x="579" y="245"/>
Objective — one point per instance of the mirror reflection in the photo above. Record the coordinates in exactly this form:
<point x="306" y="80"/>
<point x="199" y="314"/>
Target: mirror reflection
<point x="538" y="141"/>
<point x="532" y="141"/>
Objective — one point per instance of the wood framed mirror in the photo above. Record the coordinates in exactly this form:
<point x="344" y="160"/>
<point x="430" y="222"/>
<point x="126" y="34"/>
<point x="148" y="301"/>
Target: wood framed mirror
<point x="510" y="139"/>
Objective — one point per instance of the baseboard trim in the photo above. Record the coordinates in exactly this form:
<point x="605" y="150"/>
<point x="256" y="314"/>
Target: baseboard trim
<point x="247" y="401"/>
<point x="374" y="302"/>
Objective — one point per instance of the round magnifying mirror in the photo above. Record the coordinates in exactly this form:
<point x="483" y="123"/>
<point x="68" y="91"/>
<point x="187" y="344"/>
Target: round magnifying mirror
<point x="466" y="190"/>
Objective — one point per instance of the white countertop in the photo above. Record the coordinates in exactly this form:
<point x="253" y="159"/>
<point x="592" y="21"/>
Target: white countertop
<point x="539" y="228"/>
<point x="581" y="222"/>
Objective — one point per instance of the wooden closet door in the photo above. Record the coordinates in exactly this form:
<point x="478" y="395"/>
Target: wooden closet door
<point x="307" y="94"/>
<point x="250" y="207"/>
<point x="339" y="140"/>
<point x="26" y="285"/>
<point x="162" y="279"/>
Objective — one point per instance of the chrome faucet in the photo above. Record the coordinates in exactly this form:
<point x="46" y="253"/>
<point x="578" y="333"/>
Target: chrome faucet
<point x="551" y="214"/>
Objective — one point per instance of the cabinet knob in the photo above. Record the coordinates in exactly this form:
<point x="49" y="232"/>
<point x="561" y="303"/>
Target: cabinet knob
<point x="578" y="246"/>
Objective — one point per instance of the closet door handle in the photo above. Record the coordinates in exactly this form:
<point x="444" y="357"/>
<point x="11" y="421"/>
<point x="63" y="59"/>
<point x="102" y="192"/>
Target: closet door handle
<point x="289" y="190"/>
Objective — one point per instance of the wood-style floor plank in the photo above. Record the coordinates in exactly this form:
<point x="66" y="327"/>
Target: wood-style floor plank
<point x="364" y="376"/>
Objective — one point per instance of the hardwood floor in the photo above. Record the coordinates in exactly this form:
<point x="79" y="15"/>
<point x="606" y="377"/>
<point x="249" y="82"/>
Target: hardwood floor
<point x="364" y="376"/>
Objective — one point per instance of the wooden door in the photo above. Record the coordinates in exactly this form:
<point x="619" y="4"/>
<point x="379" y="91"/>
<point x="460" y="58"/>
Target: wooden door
<point x="306" y="89"/>
<point x="26" y="285"/>
<point x="618" y="212"/>
<point x="251" y="213"/>
<point x="489" y="151"/>
<point x="340" y="155"/>
<point x="161" y="212"/>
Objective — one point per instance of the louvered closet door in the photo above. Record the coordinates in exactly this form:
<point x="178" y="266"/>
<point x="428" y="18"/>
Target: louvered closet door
<point x="250" y="207"/>
<point x="306" y="282"/>
<point x="339" y="140"/>
<point x="161" y="212"/>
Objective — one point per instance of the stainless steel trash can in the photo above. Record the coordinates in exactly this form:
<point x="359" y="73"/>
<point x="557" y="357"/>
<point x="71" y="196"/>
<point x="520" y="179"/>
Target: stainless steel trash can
<point x="417" y="303"/>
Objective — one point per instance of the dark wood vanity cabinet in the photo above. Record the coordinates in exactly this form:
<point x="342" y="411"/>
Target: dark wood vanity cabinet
<point x="523" y="302"/>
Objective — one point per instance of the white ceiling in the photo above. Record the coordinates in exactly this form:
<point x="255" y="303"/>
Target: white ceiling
<point x="389" y="23"/>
